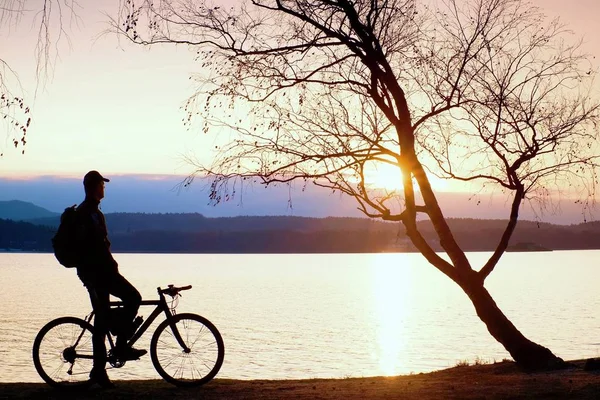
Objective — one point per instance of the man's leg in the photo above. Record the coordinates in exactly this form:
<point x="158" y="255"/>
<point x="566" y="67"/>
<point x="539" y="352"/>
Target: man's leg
<point x="131" y="298"/>
<point x="100" y="302"/>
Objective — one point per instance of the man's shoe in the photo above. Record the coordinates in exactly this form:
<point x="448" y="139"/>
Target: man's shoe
<point x="101" y="378"/>
<point x="128" y="353"/>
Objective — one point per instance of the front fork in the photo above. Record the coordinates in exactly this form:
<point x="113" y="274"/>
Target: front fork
<point x="170" y="317"/>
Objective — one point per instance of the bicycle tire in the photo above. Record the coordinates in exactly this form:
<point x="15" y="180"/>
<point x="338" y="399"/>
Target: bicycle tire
<point x="47" y="351"/>
<point x="165" y="350"/>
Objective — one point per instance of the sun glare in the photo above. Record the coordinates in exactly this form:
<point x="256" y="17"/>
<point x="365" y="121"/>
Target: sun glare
<point x="384" y="176"/>
<point x="389" y="177"/>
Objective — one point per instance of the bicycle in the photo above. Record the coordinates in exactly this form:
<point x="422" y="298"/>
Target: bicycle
<point x="186" y="349"/>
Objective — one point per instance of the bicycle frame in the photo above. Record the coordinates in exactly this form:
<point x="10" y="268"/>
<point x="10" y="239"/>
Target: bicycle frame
<point x="161" y="306"/>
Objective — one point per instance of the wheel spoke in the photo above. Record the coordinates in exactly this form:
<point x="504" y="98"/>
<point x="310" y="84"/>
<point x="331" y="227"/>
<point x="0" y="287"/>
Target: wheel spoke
<point x="62" y="336"/>
<point x="180" y="368"/>
<point x="214" y="343"/>
<point x="169" y="359"/>
<point x="187" y="334"/>
<point x="202" y="361"/>
<point x="171" y="362"/>
<point x="56" y="372"/>
<point x="197" y="337"/>
<point x="55" y="342"/>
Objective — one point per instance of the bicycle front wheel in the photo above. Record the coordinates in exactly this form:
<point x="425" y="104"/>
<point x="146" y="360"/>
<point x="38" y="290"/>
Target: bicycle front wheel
<point x="193" y="362"/>
<point x="63" y="352"/>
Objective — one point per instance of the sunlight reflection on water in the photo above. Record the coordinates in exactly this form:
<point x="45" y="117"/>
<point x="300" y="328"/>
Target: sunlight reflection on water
<point x="391" y="296"/>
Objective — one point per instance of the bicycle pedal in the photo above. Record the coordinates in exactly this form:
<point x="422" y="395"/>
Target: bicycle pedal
<point x="115" y="362"/>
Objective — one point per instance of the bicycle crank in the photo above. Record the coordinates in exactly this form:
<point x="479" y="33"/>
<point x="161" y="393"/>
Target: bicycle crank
<point x="114" y="361"/>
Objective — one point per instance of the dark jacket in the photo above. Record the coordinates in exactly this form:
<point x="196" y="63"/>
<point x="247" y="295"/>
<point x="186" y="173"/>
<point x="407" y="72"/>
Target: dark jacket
<point x="96" y="262"/>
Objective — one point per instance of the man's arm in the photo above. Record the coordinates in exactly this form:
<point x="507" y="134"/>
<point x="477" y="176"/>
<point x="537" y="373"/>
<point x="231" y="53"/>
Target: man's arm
<point x="106" y="253"/>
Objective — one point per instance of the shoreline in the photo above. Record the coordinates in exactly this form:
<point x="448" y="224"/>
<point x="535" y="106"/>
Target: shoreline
<point x="2" y="251"/>
<point x="493" y="381"/>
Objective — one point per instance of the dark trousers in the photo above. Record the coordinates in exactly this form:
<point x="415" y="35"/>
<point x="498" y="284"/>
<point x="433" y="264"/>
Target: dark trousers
<point x="100" y="293"/>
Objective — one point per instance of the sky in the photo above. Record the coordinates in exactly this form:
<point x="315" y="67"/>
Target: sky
<point x="119" y="106"/>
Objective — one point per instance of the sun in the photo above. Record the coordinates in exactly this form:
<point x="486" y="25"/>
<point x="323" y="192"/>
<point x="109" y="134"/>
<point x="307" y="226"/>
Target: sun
<point x="384" y="176"/>
<point x="389" y="177"/>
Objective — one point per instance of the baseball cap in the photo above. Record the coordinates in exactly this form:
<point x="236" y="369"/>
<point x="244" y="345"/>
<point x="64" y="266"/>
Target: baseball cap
<point x="93" y="177"/>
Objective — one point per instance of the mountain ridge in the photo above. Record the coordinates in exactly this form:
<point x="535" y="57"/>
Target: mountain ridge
<point x="18" y="210"/>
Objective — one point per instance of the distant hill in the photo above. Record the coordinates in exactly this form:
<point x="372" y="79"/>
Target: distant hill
<point x="17" y="210"/>
<point x="192" y="222"/>
<point x="483" y="235"/>
<point x="17" y="235"/>
<point x="25" y="236"/>
<point x="192" y="232"/>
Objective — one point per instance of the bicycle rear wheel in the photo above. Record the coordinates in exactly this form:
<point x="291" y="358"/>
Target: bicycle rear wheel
<point x="198" y="361"/>
<point x="63" y="352"/>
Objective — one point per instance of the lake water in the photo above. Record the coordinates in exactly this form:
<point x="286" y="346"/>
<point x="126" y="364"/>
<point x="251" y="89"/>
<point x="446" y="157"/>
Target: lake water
<point x="309" y="316"/>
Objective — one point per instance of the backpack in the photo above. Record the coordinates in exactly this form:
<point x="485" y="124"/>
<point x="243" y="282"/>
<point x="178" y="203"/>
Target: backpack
<point x="65" y="241"/>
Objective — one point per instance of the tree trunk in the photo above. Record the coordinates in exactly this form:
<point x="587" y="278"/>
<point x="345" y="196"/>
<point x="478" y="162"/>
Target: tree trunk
<point x="527" y="354"/>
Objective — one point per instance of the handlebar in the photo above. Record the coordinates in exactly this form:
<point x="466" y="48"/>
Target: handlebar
<point x="174" y="291"/>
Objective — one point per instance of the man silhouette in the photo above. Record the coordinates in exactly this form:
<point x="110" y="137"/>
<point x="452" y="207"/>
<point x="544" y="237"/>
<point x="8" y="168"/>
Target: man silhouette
<point x="99" y="273"/>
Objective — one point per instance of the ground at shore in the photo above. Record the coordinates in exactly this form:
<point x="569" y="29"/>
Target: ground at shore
<point x="496" y="381"/>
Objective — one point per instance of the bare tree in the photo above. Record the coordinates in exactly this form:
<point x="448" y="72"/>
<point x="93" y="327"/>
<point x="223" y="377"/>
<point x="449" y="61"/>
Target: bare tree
<point x="48" y="17"/>
<point x="483" y="91"/>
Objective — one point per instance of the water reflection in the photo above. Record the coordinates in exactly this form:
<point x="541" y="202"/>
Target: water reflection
<point x="391" y="282"/>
